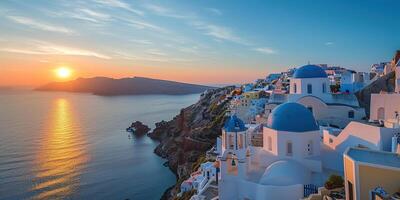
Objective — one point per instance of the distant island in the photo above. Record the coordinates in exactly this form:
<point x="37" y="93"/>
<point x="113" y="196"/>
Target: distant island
<point x="125" y="86"/>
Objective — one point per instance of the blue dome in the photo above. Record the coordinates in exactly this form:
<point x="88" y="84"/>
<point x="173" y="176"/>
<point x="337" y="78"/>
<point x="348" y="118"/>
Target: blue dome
<point x="234" y="124"/>
<point x="310" y="71"/>
<point x="292" y="117"/>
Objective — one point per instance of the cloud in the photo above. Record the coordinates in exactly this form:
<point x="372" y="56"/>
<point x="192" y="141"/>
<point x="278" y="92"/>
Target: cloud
<point x="151" y="58"/>
<point x="265" y="50"/>
<point x="40" y="25"/>
<point x="214" y="11"/>
<point x="163" y="11"/>
<point x="44" y="48"/>
<point x="219" y="32"/>
<point x="95" y="14"/>
<point x="144" y="25"/>
<point x="155" y="52"/>
<point x="144" y="42"/>
<point x="329" y="43"/>
<point x="119" y="4"/>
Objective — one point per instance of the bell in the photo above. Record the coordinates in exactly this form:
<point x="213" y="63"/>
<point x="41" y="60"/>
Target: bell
<point x="233" y="162"/>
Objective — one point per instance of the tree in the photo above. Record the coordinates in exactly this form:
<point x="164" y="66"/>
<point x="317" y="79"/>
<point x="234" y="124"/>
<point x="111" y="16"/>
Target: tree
<point x="334" y="181"/>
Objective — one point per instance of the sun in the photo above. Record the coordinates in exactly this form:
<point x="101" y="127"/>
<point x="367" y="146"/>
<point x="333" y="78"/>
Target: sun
<point x="63" y="72"/>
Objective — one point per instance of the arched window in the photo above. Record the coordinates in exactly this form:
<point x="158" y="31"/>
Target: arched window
<point x="224" y="140"/>
<point x="309" y="88"/>
<point x="289" y="148"/>
<point x="323" y="87"/>
<point x="230" y="141"/>
<point x="295" y="88"/>
<point x="310" y="147"/>
<point x="240" y="141"/>
<point x="269" y="143"/>
<point x="381" y="113"/>
<point x="351" y="114"/>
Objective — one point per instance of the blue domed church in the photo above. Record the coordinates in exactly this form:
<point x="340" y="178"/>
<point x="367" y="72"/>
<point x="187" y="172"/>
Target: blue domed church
<point x="288" y="160"/>
<point x="310" y="87"/>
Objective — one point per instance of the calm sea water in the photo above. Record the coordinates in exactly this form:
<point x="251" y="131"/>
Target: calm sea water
<point x="73" y="146"/>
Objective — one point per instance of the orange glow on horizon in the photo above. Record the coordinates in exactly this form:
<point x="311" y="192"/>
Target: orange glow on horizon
<point x="42" y="73"/>
<point x="63" y="72"/>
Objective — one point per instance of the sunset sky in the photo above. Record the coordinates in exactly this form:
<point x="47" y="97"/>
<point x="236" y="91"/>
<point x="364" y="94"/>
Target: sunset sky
<point x="202" y="41"/>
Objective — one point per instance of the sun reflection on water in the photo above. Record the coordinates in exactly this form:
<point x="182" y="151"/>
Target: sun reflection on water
<point x="62" y="155"/>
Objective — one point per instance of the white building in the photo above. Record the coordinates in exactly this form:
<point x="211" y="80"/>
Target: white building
<point x="385" y="107"/>
<point x="199" y="179"/>
<point x="351" y="81"/>
<point x="310" y="87"/>
<point x="288" y="160"/>
<point x="293" y="154"/>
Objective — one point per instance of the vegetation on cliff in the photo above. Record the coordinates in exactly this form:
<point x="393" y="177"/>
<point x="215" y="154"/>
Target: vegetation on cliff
<point x="186" y="138"/>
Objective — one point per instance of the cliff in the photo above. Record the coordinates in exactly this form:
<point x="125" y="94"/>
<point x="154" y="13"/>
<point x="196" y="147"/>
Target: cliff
<point x="384" y="83"/>
<point x="125" y="86"/>
<point x="187" y="137"/>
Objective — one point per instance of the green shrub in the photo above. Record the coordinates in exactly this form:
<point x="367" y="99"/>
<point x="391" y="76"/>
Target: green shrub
<point x="334" y="181"/>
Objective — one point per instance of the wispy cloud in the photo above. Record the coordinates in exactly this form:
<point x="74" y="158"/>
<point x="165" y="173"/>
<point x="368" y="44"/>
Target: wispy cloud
<point x="219" y="32"/>
<point x="163" y="11"/>
<point x="140" y="24"/>
<point x="95" y="14"/>
<point x="84" y="14"/>
<point x="265" y="50"/>
<point x="214" y="11"/>
<point x="151" y="58"/>
<point x="155" y="52"/>
<point x="119" y="4"/>
<point x="40" y="25"/>
<point x="143" y="42"/>
<point x="329" y="43"/>
<point x="45" y="48"/>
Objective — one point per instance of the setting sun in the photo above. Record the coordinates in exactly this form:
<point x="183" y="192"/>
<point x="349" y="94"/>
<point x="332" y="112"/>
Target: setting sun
<point x="63" y="72"/>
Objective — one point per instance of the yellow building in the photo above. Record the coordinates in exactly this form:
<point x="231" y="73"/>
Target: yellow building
<point x="251" y="95"/>
<point x="367" y="172"/>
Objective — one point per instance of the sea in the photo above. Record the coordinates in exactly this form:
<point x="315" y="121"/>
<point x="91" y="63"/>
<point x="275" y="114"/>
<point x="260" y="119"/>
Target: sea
<point x="58" y="145"/>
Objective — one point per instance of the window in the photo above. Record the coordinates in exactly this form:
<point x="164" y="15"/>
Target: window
<point x="381" y="113"/>
<point x="323" y="87"/>
<point x="310" y="147"/>
<point x="269" y="143"/>
<point x="309" y="88"/>
<point x="224" y="140"/>
<point x="294" y="88"/>
<point x="230" y="141"/>
<point x="289" y="148"/>
<point x="240" y="141"/>
<point x="310" y="109"/>
<point x="351" y="114"/>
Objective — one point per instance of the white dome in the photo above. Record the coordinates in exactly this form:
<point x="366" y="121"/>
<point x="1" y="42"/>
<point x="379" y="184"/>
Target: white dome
<point x="285" y="172"/>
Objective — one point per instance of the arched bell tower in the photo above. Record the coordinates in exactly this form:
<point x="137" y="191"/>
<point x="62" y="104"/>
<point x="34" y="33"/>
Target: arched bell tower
<point x="234" y="147"/>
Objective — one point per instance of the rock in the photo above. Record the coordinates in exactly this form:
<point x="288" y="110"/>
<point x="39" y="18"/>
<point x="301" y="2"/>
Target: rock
<point x="140" y="128"/>
<point x="385" y="83"/>
<point x="190" y="134"/>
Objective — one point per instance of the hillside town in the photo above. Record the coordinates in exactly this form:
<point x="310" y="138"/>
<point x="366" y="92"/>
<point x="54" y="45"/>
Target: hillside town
<point x="314" y="132"/>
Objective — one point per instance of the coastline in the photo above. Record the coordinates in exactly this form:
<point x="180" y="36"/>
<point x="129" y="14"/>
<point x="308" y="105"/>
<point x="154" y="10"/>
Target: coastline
<point x="184" y="139"/>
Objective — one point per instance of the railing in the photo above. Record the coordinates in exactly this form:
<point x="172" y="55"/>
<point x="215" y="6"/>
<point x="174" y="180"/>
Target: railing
<point x="310" y="189"/>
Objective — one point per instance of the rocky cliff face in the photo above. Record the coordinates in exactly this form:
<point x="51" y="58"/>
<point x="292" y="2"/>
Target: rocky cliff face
<point x="190" y="134"/>
<point x="385" y="83"/>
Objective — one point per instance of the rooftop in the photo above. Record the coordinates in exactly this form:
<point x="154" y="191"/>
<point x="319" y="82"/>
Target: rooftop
<point x="234" y="124"/>
<point x="292" y="117"/>
<point x="374" y="157"/>
<point x="310" y="71"/>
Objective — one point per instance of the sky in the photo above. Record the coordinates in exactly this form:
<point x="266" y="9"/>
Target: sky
<point x="198" y="41"/>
